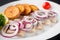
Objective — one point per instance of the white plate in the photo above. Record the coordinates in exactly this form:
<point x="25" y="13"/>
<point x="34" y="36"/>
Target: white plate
<point x="48" y="32"/>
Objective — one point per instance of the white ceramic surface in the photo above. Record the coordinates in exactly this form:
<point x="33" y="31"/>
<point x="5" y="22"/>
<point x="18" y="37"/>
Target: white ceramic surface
<point x="48" y="32"/>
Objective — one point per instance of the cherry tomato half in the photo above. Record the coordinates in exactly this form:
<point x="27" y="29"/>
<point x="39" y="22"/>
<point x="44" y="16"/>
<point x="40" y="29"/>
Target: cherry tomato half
<point x="46" y="5"/>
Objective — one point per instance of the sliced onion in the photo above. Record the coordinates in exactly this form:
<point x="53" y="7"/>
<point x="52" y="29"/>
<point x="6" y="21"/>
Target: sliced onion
<point x="32" y="14"/>
<point x="21" y="25"/>
<point x="34" y="22"/>
<point x="51" y="14"/>
<point x="28" y="18"/>
<point x="10" y="35"/>
<point x="39" y="15"/>
<point x="27" y="28"/>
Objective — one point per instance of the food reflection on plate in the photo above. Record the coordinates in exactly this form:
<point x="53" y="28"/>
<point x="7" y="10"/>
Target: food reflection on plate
<point x="25" y="18"/>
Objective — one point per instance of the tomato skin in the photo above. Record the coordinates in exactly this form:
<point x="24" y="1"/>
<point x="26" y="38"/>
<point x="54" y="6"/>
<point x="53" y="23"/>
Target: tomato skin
<point x="46" y="5"/>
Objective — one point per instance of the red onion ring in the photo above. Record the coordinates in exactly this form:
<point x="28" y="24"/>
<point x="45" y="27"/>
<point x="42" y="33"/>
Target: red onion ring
<point x="10" y="35"/>
<point x="39" y="17"/>
<point x="28" y="18"/>
<point x="51" y="14"/>
<point x="25" y="23"/>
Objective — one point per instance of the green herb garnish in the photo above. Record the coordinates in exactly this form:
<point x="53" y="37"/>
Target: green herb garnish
<point x="2" y="20"/>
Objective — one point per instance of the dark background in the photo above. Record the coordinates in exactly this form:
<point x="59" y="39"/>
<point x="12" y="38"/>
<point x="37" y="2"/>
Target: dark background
<point x="7" y="1"/>
<point x="57" y="37"/>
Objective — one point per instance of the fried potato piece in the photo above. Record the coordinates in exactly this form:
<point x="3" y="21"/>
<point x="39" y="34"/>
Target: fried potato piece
<point x="21" y="8"/>
<point x="27" y="9"/>
<point x="34" y="8"/>
<point x="21" y="33"/>
<point x="10" y="32"/>
<point x="40" y="27"/>
<point x="47" y="22"/>
<point x="12" y="12"/>
<point x="33" y="30"/>
<point x="53" y="20"/>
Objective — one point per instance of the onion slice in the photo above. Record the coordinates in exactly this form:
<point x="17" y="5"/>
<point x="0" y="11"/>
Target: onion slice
<point x="28" y="18"/>
<point x="27" y="26"/>
<point x="39" y="15"/>
<point x="51" y="14"/>
<point x="4" y="34"/>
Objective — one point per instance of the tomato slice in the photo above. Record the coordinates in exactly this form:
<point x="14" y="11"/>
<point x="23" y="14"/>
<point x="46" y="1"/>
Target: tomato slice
<point x="46" y="5"/>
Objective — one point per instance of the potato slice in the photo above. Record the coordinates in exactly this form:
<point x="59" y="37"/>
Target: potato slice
<point x="33" y="30"/>
<point x="34" y="8"/>
<point x="53" y="20"/>
<point x="10" y="32"/>
<point x="12" y="12"/>
<point x="21" y="8"/>
<point x="27" y="9"/>
<point x="47" y="22"/>
<point x="21" y="33"/>
<point x="40" y="27"/>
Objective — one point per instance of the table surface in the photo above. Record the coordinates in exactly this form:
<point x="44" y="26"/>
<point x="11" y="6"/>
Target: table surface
<point x="57" y="37"/>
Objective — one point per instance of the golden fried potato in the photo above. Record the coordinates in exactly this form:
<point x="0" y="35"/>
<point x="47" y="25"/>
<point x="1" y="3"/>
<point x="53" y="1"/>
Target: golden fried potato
<point x="21" y="33"/>
<point x="53" y="20"/>
<point x="21" y="8"/>
<point x="33" y="30"/>
<point x="39" y="27"/>
<point x="34" y="8"/>
<point x="12" y="12"/>
<point x="27" y="9"/>
<point x="47" y="22"/>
